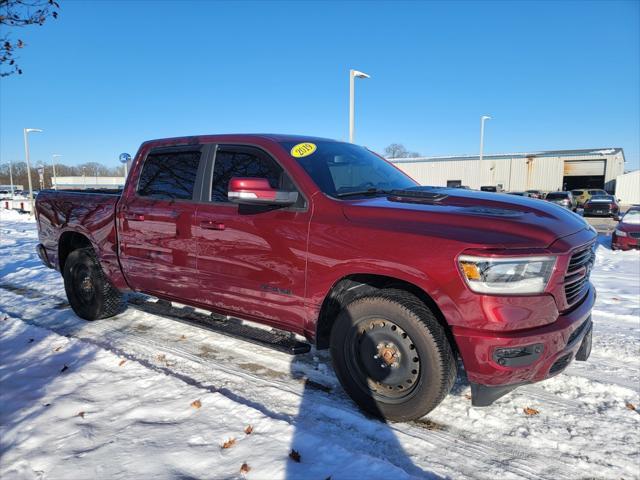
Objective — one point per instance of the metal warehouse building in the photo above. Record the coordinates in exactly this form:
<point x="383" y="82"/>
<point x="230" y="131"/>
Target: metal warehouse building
<point x="548" y="171"/>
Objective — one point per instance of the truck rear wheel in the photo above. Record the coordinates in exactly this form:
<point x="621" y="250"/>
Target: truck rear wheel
<point x="90" y="293"/>
<point x="392" y="356"/>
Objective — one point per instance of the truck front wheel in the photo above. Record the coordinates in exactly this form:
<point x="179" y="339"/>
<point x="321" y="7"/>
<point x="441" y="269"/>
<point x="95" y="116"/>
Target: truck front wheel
<point x="89" y="292"/>
<point x="392" y="356"/>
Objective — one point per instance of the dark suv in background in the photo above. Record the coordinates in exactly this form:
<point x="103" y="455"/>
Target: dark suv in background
<point x="602" y="206"/>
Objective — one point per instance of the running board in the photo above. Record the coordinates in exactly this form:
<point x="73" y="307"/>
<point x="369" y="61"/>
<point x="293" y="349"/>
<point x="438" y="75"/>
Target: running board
<point x="276" y="339"/>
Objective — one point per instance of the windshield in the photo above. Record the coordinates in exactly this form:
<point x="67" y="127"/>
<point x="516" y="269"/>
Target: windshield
<point x="342" y="169"/>
<point x="632" y="217"/>
<point x="577" y="192"/>
<point x="597" y="192"/>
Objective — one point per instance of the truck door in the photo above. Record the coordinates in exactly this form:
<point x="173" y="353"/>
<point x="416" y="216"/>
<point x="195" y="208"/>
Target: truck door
<point x="251" y="260"/>
<point x="156" y="225"/>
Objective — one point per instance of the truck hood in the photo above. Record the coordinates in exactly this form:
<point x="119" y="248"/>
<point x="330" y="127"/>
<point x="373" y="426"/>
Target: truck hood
<point x="490" y="220"/>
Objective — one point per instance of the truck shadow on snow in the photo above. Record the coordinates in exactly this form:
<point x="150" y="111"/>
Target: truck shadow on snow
<point x="326" y="418"/>
<point x="30" y="393"/>
<point x="378" y="444"/>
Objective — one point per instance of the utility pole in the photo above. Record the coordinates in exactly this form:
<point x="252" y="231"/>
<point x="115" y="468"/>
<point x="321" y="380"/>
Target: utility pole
<point x="26" y="132"/>
<point x="482" y="120"/>
<point x="353" y="74"/>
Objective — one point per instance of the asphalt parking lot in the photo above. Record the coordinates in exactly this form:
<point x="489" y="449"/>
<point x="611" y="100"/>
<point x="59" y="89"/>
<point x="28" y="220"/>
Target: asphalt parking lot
<point x="602" y="224"/>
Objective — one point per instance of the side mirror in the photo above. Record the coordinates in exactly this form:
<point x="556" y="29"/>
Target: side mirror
<point x="257" y="191"/>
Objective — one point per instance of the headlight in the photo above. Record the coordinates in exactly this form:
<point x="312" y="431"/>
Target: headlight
<point x="507" y="276"/>
<point x="620" y="233"/>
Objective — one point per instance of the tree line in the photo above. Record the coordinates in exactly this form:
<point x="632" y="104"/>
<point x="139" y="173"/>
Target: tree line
<point x="90" y="169"/>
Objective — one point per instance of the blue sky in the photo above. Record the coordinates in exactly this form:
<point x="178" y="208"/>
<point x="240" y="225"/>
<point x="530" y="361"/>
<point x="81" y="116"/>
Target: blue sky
<point x="108" y="75"/>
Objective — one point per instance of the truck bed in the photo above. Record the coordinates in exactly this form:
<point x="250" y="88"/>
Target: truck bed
<point x="63" y="214"/>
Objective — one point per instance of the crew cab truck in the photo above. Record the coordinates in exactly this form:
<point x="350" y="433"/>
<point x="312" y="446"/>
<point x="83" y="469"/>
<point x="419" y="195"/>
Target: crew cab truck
<point x="328" y="240"/>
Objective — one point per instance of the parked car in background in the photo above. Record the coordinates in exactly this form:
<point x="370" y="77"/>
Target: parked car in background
<point x="535" y="193"/>
<point x="398" y="280"/>
<point x="602" y="206"/>
<point x="581" y="196"/>
<point x="584" y="194"/>
<point x="489" y="188"/>
<point x="627" y="233"/>
<point x="564" y="199"/>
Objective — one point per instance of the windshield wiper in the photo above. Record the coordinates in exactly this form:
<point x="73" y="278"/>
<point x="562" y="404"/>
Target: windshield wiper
<point x="369" y="191"/>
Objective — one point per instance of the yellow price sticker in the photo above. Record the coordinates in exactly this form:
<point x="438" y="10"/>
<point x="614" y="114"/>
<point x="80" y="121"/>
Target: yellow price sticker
<point x="303" y="149"/>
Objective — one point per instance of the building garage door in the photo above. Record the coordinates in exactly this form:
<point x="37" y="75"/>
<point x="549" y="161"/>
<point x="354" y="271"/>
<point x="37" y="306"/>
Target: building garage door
<point x="583" y="174"/>
<point x="583" y="168"/>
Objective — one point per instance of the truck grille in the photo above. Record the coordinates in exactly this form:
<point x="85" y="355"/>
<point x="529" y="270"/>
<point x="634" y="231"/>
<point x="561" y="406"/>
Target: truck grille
<point x="577" y="277"/>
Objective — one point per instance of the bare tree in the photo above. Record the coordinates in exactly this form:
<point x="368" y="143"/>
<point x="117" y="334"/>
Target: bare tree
<point x="15" y="14"/>
<point x="397" y="150"/>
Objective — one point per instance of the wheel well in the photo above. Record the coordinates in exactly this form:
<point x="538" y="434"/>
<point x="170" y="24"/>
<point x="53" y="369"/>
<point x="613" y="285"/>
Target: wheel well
<point x="70" y="241"/>
<point x="359" y="285"/>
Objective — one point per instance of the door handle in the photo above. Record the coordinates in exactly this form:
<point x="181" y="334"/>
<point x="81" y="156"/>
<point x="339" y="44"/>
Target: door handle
<point x="134" y="217"/>
<point x="211" y="225"/>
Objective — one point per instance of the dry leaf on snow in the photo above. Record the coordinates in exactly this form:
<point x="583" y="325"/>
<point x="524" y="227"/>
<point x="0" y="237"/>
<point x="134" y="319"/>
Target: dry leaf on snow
<point x="57" y="349"/>
<point x="229" y="443"/>
<point x="630" y="406"/>
<point x="244" y="468"/>
<point x="530" y="411"/>
<point x="121" y="363"/>
<point x="80" y="414"/>
<point x="248" y="429"/>
<point x="196" y="404"/>
<point x="294" y="455"/>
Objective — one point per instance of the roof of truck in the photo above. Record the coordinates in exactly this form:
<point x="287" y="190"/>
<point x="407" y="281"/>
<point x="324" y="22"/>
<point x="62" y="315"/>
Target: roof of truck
<point x="276" y="137"/>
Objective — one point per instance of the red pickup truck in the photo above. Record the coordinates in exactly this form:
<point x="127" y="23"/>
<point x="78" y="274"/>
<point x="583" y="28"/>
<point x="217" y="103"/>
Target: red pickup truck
<point x="328" y="240"/>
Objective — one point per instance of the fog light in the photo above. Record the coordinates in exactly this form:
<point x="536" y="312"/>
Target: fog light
<point x="518" y="356"/>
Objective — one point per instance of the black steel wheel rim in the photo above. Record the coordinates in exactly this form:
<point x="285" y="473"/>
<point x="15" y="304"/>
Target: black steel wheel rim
<point x="383" y="359"/>
<point x="83" y="284"/>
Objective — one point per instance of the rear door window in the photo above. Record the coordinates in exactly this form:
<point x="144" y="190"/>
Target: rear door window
<point x="169" y="175"/>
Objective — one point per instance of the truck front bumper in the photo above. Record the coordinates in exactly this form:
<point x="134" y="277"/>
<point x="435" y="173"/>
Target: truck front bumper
<point x="498" y="362"/>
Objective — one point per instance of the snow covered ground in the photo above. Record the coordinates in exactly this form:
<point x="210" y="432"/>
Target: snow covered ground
<point x="145" y="396"/>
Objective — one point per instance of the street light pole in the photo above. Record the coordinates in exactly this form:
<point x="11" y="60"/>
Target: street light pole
<point x="353" y="74"/>
<point x="53" y="166"/>
<point x="27" y="131"/>
<point x="482" y="120"/>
